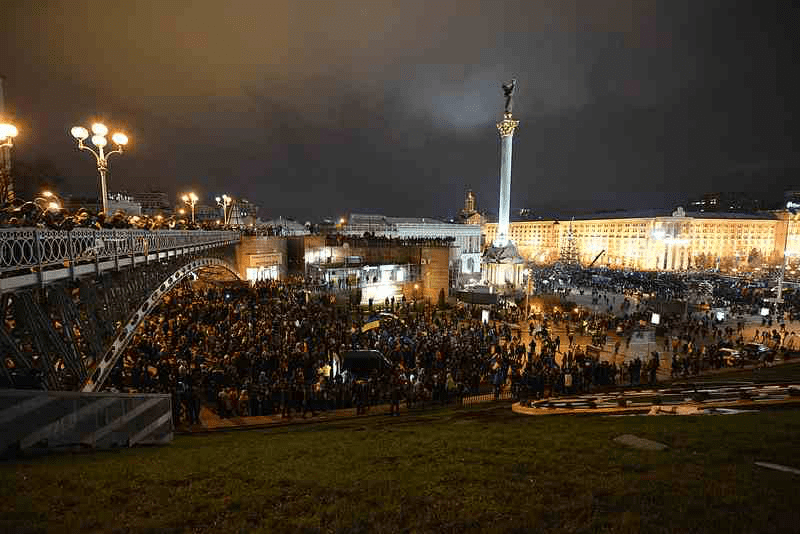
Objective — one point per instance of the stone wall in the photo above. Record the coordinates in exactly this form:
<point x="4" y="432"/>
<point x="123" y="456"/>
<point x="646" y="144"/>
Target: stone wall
<point x="435" y="271"/>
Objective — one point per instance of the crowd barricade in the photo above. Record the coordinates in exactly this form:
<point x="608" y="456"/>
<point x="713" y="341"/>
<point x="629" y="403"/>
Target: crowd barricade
<point x="486" y="397"/>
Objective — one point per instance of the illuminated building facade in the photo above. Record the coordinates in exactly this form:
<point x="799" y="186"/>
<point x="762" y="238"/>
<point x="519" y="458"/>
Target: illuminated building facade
<point x="655" y="242"/>
<point x="381" y="268"/>
<point x="262" y="258"/>
<point x="465" y="252"/>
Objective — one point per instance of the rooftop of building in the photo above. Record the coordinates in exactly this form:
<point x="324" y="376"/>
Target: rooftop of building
<point x="368" y="241"/>
<point x="363" y="218"/>
<point x="653" y="213"/>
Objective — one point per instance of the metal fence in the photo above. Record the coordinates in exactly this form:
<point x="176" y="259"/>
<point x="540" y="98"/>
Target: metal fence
<point x="486" y="397"/>
<point x="33" y="248"/>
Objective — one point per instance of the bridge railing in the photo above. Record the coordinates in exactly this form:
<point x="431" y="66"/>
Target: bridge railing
<point x="24" y="248"/>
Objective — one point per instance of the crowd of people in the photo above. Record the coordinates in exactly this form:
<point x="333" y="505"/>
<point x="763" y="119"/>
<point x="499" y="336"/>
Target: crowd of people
<point x="639" y="284"/>
<point x="707" y="332"/>
<point x="276" y="348"/>
<point x="40" y="214"/>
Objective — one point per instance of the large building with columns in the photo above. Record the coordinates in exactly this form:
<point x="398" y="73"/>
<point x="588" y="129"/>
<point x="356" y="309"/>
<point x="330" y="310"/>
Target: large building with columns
<point x="658" y="241"/>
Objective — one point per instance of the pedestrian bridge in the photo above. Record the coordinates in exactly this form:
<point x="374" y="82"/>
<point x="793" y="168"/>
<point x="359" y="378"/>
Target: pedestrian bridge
<point x="32" y="256"/>
<point x="70" y="301"/>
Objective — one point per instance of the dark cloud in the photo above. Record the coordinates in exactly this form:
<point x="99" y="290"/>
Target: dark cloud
<point x="313" y="108"/>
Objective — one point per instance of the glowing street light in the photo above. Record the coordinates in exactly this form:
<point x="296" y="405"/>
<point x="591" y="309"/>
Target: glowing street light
<point x="51" y="199"/>
<point x="47" y="202"/>
<point x="99" y="140"/>
<point x="190" y="200"/>
<point x="7" y="134"/>
<point x="223" y="202"/>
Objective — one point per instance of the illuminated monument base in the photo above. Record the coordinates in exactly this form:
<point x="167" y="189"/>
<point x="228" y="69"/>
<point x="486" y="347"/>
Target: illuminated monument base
<point x="502" y="266"/>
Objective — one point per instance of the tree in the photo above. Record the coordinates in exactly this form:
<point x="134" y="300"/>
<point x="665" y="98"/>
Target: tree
<point x="570" y="256"/>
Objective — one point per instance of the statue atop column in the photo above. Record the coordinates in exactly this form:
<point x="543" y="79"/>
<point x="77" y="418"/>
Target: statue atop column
<point x="507" y="125"/>
<point x="508" y="91"/>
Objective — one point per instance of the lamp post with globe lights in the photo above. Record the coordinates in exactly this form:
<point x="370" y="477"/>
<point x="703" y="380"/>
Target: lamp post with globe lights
<point x="190" y="200"/>
<point x="99" y="140"/>
<point x="223" y="202"/>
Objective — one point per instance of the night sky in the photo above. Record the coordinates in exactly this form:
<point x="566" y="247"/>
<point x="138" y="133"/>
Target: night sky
<point x="314" y="108"/>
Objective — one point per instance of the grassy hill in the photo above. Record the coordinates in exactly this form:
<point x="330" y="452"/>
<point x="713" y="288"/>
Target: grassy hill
<point x="455" y="470"/>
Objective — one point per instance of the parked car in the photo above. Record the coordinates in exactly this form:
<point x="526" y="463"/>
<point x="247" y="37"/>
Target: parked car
<point x="731" y="357"/>
<point x="361" y="363"/>
<point x="758" y="352"/>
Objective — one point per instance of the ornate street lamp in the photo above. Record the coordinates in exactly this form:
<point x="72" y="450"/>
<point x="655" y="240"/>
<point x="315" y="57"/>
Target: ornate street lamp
<point x="223" y="202"/>
<point x="99" y="140"/>
<point x="190" y="200"/>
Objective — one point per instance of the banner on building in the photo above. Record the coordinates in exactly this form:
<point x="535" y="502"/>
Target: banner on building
<point x="265" y="260"/>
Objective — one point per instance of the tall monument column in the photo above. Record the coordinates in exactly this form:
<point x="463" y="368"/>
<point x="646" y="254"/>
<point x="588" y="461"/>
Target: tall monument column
<point x="506" y="129"/>
<point x="502" y="263"/>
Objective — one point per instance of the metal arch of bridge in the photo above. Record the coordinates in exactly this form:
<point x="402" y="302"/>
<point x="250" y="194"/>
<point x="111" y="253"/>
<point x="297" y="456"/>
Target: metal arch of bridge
<point x="106" y="364"/>
<point x="53" y="335"/>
